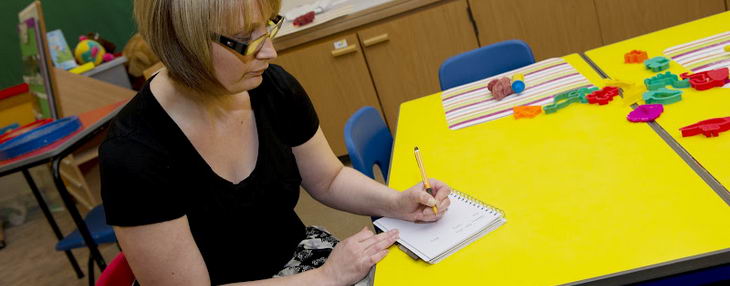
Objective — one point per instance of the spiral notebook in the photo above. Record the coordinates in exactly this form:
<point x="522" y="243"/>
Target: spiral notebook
<point x="467" y="220"/>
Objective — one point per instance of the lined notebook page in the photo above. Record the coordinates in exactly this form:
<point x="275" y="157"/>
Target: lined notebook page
<point x="429" y="240"/>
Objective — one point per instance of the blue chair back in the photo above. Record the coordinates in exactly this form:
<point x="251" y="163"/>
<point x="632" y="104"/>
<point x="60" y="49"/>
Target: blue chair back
<point x="484" y="62"/>
<point x="368" y="141"/>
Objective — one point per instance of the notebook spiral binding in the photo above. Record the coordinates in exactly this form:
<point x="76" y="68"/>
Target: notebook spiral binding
<point x="477" y="203"/>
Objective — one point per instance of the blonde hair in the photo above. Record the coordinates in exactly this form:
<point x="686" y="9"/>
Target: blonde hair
<point x="180" y="34"/>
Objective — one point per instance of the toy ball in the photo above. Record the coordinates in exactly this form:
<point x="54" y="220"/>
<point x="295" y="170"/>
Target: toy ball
<point x="89" y="51"/>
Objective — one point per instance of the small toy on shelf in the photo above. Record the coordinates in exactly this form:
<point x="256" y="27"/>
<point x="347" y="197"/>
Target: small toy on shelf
<point x="645" y="113"/>
<point x="603" y="96"/>
<point x="527" y="111"/>
<point x="500" y="88"/>
<point x="668" y="78"/>
<point x="710" y="127"/>
<point x="304" y="19"/>
<point x="662" y="96"/>
<point x="89" y="51"/>
<point x="518" y="82"/>
<point x="657" y="64"/>
<point x="83" y="68"/>
<point x="635" y="57"/>
<point x="707" y="79"/>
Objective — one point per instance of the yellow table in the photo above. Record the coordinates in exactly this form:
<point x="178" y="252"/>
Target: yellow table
<point x="586" y="194"/>
<point x="711" y="153"/>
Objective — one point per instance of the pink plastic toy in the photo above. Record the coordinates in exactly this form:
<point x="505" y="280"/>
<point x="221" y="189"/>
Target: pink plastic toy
<point x="646" y="113"/>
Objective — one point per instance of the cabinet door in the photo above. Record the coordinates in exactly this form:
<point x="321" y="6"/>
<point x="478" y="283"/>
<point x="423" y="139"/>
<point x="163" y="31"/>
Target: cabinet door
<point x="404" y="54"/>
<point x="623" y="19"/>
<point x="336" y="79"/>
<point x="552" y="28"/>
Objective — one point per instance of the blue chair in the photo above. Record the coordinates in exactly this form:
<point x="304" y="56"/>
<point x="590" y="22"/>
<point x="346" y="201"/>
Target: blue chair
<point x="100" y="231"/>
<point x="484" y="62"/>
<point x="368" y="141"/>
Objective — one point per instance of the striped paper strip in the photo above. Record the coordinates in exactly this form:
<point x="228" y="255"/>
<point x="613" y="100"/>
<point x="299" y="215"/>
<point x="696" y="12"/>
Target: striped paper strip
<point x="704" y="54"/>
<point x="472" y="103"/>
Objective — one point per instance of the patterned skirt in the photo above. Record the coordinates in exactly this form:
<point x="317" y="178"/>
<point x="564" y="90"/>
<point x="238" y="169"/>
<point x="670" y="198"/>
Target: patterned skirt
<point x="312" y="252"/>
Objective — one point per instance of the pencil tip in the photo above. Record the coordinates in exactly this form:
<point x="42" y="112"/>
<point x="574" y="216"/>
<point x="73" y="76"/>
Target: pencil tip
<point x="415" y="148"/>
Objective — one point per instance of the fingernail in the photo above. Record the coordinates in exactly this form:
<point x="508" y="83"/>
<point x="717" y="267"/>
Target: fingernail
<point x="431" y="202"/>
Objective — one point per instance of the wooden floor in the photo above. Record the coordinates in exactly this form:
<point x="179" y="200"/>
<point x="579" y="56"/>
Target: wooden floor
<point x="30" y="257"/>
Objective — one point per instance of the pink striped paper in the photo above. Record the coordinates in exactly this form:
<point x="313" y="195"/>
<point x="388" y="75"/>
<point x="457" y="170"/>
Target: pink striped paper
<point x="472" y="103"/>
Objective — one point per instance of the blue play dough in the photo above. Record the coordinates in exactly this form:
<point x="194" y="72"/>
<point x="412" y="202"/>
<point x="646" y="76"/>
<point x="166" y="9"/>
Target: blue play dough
<point x="39" y="137"/>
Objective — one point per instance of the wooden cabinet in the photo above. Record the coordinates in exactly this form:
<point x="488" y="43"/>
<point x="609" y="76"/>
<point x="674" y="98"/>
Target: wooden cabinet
<point x="404" y="54"/>
<point x="623" y="19"/>
<point x="552" y="28"/>
<point x="337" y="81"/>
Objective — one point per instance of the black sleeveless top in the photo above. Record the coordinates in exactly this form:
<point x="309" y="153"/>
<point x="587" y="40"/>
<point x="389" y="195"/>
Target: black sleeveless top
<point x="150" y="173"/>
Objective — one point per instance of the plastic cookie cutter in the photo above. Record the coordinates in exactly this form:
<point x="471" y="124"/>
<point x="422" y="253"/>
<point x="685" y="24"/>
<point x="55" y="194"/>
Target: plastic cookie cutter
<point x="603" y="96"/>
<point x="583" y="92"/>
<point x="635" y="57"/>
<point x="664" y="79"/>
<point x="619" y="83"/>
<point x="526" y="111"/>
<point x="707" y="79"/>
<point x="710" y="127"/>
<point x="662" y="96"/>
<point x="645" y="113"/>
<point x="562" y="100"/>
<point x="657" y="64"/>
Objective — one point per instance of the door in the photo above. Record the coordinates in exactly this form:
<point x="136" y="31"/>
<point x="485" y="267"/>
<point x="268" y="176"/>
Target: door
<point x="334" y="74"/>
<point x="552" y="28"/>
<point x="623" y="19"/>
<point x="404" y="54"/>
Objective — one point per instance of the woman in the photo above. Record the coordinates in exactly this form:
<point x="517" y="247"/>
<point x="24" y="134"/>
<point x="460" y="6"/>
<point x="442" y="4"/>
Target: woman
<point x="201" y="170"/>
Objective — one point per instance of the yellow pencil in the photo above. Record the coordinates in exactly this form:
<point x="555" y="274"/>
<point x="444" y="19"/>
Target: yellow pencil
<point x="424" y="177"/>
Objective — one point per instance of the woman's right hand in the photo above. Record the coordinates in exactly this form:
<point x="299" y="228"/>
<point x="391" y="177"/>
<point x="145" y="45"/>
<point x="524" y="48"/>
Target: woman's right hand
<point x="353" y="257"/>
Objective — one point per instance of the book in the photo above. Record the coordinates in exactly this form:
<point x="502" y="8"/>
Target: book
<point x="467" y="220"/>
<point x="60" y="52"/>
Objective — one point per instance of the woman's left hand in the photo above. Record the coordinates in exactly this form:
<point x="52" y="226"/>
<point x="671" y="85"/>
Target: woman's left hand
<point x="415" y="204"/>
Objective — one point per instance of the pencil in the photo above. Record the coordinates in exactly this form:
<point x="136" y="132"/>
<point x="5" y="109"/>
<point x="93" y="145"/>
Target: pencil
<point x="424" y="177"/>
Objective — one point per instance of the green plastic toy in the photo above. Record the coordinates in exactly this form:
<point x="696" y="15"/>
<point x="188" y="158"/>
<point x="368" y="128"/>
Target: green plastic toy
<point x="662" y="80"/>
<point x="657" y="64"/>
<point x="662" y="96"/>
<point x="567" y="98"/>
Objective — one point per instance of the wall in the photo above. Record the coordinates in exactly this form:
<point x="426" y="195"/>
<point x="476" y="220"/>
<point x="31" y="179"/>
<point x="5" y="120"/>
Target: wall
<point x="111" y="18"/>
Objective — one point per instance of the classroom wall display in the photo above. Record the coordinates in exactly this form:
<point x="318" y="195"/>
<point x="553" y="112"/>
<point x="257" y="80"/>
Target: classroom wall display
<point x="36" y="61"/>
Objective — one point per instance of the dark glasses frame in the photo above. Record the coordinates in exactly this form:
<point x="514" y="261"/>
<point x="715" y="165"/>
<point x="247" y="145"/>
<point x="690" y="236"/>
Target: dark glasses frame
<point x="253" y="46"/>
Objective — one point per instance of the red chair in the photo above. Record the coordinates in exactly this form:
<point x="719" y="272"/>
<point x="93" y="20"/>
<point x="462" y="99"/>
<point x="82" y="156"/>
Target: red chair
<point x="117" y="273"/>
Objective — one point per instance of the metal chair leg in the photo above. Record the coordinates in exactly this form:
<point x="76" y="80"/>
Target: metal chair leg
<point x="91" y="271"/>
<point x="75" y="215"/>
<point x="49" y="217"/>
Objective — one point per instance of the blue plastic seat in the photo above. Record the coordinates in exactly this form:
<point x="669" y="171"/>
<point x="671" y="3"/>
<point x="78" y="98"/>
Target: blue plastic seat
<point x="484" y="62"/>
<point x="100" y="231"/>
<point x="368" y="141"/>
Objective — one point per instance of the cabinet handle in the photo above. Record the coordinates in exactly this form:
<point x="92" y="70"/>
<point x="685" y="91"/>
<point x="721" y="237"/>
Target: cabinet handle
<point x="375" y="40"/>
<point x="344" y="51"/>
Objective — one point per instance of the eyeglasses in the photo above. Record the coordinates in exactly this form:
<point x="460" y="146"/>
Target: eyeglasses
<point x="251" y="47"/>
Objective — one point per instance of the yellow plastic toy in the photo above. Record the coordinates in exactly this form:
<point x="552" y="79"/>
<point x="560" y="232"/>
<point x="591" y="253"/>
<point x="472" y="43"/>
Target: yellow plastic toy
<point x="83" y="68"/>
